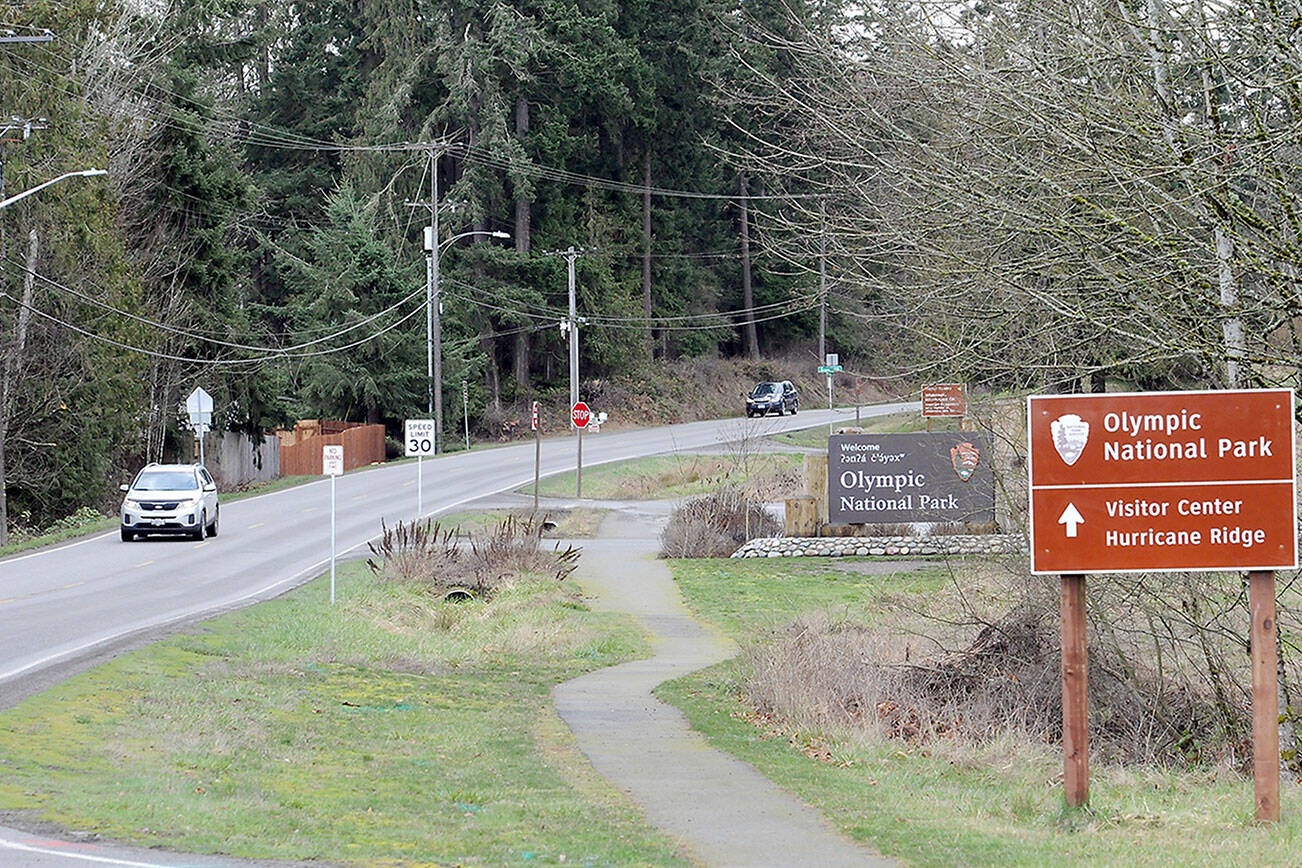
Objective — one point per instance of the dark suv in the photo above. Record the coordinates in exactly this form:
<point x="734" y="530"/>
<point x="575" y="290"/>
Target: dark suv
<point x="767" y="397"/>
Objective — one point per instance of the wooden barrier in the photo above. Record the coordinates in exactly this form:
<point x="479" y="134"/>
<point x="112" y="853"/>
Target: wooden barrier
<point x="301" y="455"/>
<point x="816" y="485"/>
<point x="801" y="517"/>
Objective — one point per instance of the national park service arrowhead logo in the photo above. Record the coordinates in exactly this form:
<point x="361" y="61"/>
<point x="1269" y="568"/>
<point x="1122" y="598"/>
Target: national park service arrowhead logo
<point x="965" y="457"/>
<point x="1070" y="434"/>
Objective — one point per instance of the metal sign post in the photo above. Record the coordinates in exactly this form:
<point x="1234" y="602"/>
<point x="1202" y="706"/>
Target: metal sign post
<point x="537" y="453"/>
<point x="332" y="464"/>
<point x="199" y="407"/>
<point x="833" y="364"/>
<point x="580" y="415"/>
<point x="465" y="409"/>
<point x="418" y="442"/>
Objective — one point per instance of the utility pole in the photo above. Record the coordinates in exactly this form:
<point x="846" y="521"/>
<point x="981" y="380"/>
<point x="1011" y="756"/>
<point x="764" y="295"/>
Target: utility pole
<point x="433" y="303"/>
<point x="434" y="309"/>
<point x="574" y="332"/>
<point x="433" y="296"/>
<point x="571" y="324"/>
<point x="822" y="278"/>
<point x="9" y="37"/>
<point x="26" y="125"/>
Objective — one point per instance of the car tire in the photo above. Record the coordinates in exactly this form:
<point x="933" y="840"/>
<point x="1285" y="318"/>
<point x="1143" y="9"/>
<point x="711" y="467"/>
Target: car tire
<point x="795" y="408"/>
<point x="212" y="528"/>
<point x="202" y="529"/>
<point x="128" y="535"/>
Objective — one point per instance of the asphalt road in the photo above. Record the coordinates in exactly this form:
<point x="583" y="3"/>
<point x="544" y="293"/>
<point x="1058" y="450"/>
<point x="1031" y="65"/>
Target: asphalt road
<point x="66" y="608"/>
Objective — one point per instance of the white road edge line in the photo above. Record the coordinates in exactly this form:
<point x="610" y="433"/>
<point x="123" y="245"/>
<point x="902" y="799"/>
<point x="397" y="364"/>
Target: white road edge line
<point x="6" y="844"/>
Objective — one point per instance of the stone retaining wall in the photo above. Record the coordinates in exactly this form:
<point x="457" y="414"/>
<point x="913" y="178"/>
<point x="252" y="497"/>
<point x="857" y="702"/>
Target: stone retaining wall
<point x="912" y="546"/>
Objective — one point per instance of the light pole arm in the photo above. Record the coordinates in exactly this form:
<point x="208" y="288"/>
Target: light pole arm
<point x="85" y="173"/>
<point x="447" y="242"/>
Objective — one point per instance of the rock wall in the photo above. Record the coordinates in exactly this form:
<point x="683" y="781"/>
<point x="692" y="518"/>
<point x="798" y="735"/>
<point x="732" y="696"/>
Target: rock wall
<point x="912" y="546"/>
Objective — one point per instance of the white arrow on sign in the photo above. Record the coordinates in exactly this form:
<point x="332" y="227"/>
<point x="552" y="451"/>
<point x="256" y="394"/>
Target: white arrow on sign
<point x="1071" y="517"/>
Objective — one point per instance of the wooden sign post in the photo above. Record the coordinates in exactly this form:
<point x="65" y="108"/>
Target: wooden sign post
<point x="1075" y="693"/>
<point x="1165" y="481"/>
<point x="1265" y="696"/>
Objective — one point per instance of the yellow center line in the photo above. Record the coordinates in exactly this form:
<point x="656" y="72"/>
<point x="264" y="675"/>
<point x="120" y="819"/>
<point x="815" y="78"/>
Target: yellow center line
<point x="144" y="563"/>
<point x="73" y="585"/>
<point x="202" y="544"/>
<point x="408" y="482"/>
<point x="312" y="509"/>
<point x="10" y="600"/>
<point x="254" y="526"/>
<point x="361" y="497"/>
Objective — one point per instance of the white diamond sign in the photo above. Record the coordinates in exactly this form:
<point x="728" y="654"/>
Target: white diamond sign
<point x="199" y="406"/>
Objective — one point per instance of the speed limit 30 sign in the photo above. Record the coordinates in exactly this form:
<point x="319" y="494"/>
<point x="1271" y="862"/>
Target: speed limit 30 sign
<point x="418" y="438"/>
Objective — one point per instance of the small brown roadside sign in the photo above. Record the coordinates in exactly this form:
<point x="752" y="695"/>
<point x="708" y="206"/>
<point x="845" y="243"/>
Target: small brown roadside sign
<point x="940" y="400"/>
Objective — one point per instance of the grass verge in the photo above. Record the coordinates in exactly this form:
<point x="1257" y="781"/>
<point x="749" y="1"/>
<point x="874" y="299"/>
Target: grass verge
<point x="571" y="523"/>
<point x="1001" y="805"/>
<point x="895" y="423"/>
<point x="663" y="477"/>
<point x="388" y="729"/>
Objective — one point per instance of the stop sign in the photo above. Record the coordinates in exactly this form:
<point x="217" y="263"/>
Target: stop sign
<point x="580" y="414"/>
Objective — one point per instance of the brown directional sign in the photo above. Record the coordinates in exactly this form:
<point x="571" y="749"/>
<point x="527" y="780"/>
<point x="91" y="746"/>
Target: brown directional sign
<point x="1162" y="481"/>
<point x="944" y="399"/>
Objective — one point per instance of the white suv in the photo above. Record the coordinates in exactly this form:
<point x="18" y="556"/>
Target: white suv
<point x="172" y="499"/>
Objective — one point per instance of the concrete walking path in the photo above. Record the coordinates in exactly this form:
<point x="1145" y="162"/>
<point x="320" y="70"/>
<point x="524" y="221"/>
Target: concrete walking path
<point x="719" y="808"/>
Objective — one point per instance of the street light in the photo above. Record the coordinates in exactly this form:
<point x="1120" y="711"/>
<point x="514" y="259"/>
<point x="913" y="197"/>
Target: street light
<point x="433" y="327"/>
<point x="84" y="173"/>
<point x="4" y="503"/>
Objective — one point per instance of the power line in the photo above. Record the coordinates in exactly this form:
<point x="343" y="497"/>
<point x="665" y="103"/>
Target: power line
<point x="14" y="266"/>
<point x="272" y="355"/>
<point x="278" y="138"/>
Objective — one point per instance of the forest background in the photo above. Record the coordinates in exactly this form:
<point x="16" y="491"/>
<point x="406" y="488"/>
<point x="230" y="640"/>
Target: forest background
<point x="1053" y="195"/>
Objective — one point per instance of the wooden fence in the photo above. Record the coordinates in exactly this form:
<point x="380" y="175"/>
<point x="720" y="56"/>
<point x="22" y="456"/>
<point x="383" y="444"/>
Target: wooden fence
<point x="235" y="458"/>
<point x="300" y="450"/>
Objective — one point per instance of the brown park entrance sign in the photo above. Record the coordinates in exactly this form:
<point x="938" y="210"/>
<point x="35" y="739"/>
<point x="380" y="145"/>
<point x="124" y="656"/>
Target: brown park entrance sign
<point x="1162" y="481"/>
<point x="944" y="399"/>
<point x="1165" y="481"/>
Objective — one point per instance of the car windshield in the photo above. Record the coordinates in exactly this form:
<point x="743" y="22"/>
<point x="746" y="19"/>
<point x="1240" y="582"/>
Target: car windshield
<point x="765" y="389"/>
<point x="166" y="480"/>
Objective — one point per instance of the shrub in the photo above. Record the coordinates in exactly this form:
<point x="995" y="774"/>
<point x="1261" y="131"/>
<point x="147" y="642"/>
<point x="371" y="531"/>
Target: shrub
<point x="716" y="525"/>
<point x="481" y="562"/>
<point x="1167" y="681"/>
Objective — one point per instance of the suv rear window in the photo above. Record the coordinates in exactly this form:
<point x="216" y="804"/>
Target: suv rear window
<point x="166" y="480"/>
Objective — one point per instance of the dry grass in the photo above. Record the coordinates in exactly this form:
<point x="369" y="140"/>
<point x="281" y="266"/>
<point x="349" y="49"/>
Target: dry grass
<point x="762" y="477"/>
<point x="716" y="525"/>
<point x="482" y="562"/>
<point x="980" y="665"/>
